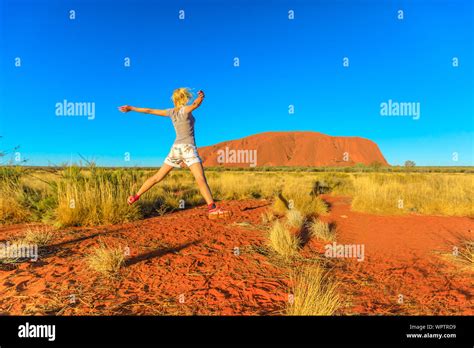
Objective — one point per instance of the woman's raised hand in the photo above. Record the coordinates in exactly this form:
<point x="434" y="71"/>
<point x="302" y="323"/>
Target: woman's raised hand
<point x="125" y="108"/>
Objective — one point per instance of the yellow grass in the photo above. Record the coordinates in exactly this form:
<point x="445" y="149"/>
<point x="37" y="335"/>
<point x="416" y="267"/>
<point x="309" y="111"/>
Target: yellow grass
<point x="314" y="293"/>
<point x="280" y="205"/>
<point x="436" y="194"/>
<point x="300" y="197"/>
<point x="321" y="230"/>
<point x="283" y="241"/>
<point x="267" y="217"/>
<point x="11" y="209"/>
<point x="106" y="261"/>
<point x="93" y="196"/>
<point x="294" y="218"/>
<point x="466" y="252"/>
<point x="39" y="235"/>
<point x="463" y="255"/>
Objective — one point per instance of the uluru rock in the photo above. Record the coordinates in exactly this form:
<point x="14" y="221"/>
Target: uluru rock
<point x="293" y="149"/>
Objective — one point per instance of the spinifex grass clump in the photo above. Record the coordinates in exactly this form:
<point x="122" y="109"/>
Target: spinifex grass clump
<point x="39" y="235"/>
<point x="314" y="293"/>
<point x="463" y="255"/>
<point x="466" y="252"/>
<point x="322" y="230"/>
<point x="106" y="260"/>
<point x="301" y="198"/>
<point x="294" y="219"/>
<point x="285" y="243"/>
<point x="280" y="205"/>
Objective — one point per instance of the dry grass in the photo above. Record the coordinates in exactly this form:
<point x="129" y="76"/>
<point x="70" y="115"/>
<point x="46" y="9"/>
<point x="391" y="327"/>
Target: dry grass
<point x="283" y="241"/>
<point x="11" y="209"/>
<point x="280" y="205"/>
<point x="321" y="230"/>
<point x="463" y="255"/>
<point x="466" y="252"/>
<point x="39" y="235"/>
<point x="436" y="194"/>
<point x="314" y="293"/>
<point x="300" y="198"/>
<point x="78" y="196"/>
<point x="294" y="218"/>
<point x="91" y="202"/>
<point x="106" y="260"/>
<point x="267" y="217"/>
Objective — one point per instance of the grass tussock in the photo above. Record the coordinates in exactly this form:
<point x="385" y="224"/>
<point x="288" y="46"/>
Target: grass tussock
<point x="11" y="197"/>
<point x="321" y="230"/>
<point x="285" y="243"/>
<point x="294" y="219"/>
<point x="11" y="211"/>
<point x="106" y="260"/>
<point x="267" y="217"/>
<point x="314" y="293"/>
<point x="280" y="205"/>
<point x="466" y="252"/>
<point x="301" y="198"/>
<point x="39" y="235"/>
<point x="463" y="255"/>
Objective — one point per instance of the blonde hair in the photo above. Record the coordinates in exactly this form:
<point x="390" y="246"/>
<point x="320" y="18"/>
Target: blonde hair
<point x="181" y="96"/>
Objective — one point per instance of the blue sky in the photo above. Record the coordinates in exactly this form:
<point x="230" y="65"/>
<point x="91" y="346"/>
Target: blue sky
<point x="282" y="62"/>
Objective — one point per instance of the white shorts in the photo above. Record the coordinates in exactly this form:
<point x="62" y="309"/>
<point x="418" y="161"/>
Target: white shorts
<point x="182" y="153"/>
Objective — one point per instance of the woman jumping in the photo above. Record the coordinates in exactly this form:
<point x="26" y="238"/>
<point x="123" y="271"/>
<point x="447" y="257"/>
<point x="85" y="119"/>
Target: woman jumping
<point x="184" y="151"/>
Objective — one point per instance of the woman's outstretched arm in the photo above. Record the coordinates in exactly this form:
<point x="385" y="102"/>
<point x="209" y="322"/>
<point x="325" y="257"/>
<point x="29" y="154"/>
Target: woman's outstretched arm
<point x="127" y="108"/>
<point x="196" y="103"/>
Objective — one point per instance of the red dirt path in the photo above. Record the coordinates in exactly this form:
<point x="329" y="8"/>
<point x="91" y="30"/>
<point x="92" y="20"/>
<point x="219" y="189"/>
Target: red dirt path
<point x="183" y="264"/>
<point x="403" y="256"/>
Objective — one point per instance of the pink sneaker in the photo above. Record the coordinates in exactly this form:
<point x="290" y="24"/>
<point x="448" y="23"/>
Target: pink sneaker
<point x="133" y="199"/>
<point x="218" y="213"/>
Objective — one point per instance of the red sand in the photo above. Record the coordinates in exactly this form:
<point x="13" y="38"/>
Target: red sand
<point x="296" y="149"/>
<point x="185" y="256"/>
<point x="403" y="257"/>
